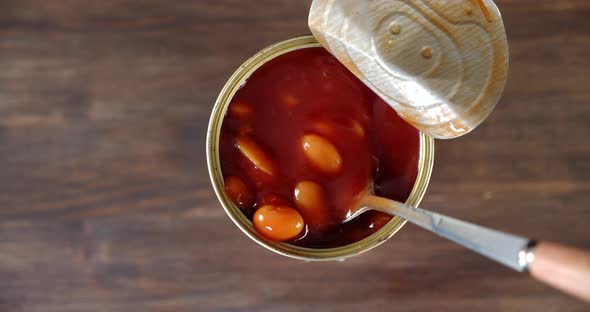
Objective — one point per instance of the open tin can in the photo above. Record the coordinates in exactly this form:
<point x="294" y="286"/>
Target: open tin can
<point x="425" y="164"/>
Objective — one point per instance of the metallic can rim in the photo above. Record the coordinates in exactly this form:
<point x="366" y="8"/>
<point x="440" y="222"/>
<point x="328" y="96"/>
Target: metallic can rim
<point x="425" y="164"/>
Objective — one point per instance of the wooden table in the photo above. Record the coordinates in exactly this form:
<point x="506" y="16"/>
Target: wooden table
<point x="105" y="200"/>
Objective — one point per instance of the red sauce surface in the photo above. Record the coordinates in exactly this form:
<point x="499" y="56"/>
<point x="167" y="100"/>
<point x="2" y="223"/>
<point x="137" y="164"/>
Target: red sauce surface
<point x="309" y="92"/>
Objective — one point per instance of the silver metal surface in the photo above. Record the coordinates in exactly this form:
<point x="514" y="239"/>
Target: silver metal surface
<point x="526" y="257"/>
<point x="508" y="249"/>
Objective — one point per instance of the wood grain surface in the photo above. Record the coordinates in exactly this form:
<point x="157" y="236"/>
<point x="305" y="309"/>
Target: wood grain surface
<point x="106" y="205"/>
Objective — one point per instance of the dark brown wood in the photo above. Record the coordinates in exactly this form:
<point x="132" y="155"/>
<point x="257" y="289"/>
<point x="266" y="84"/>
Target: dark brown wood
<point x="105" y="202"/>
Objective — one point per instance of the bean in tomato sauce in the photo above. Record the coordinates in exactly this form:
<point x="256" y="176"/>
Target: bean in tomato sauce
<point x="302" y="140"/>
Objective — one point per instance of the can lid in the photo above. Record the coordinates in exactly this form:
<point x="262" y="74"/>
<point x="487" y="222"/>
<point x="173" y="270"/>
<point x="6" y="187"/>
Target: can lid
<point x="442" y="65"/>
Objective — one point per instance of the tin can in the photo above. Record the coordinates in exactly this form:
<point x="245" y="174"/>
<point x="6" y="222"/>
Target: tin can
<point x="425" y="164"/>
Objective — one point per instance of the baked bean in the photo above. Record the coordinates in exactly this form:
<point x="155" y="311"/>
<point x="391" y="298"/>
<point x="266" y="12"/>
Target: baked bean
<point x="240" y="109"/>
<point x="323" y="127"/>
<point x="255" y="154"/>
<point x="357" y="128"/>
<point x="238" y="192"/>
<point x="321" y="153"/>
<point x="290" y="100"/>
<point x="245" y="130"/>
<point x="310" y="198"/>
<point x="278" y="223"/>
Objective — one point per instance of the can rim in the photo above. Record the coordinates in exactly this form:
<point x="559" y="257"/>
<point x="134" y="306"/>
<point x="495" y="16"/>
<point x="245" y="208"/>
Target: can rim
<point x="240" y="76"/>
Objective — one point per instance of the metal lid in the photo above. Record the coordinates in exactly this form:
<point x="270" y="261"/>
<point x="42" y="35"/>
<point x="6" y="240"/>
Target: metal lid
<point x="441" y="64"/>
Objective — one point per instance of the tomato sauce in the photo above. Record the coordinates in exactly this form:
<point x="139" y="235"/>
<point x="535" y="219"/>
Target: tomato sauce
<point x="302" y="140"/>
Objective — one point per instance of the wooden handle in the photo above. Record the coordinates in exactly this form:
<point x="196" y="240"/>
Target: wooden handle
<point x="564" y="268"/>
